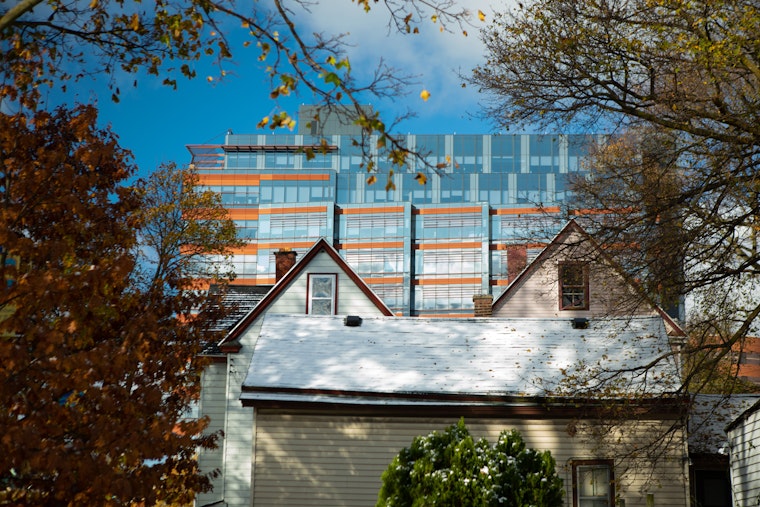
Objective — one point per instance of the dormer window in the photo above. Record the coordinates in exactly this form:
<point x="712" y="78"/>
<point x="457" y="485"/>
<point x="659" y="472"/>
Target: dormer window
<point x="573" y="286"/>
<point x="322" y="296"/>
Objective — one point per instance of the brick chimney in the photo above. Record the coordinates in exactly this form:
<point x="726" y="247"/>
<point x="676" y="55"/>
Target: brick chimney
<point x="517" y="259"/>
<point x="284" y="259"/>
<point x="483" y="305"/>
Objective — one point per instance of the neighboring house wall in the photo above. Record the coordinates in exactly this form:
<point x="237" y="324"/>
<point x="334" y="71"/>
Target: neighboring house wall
<point x="213" y="404"/>
<point x="537" y="292"/>
<point x="233" y="456"/>
<point x="223" y="381"/>
<point x="744" y="436"/>
<point x="326" y="459"/>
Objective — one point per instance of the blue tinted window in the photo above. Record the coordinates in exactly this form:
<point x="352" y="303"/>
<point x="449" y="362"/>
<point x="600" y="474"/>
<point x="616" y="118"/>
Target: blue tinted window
<point x="505" y="154"/>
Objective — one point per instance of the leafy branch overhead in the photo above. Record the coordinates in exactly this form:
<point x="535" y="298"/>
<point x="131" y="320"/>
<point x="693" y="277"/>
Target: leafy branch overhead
<point x="677" y="84"/>
<point x="54" y="43"/>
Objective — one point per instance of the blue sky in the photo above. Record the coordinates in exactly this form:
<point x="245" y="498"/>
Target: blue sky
<point x="156" y="122"/>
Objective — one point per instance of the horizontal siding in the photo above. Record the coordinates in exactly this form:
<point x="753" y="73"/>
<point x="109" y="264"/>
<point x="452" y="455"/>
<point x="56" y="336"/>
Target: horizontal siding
<point x="238" y="438"/>
<point x="323" y="460"/>
<point x="351" y="299"/>
<point x="213" y="405"/>
<point x="538" y="295"/>
<point x="745" y="461"/>
<point x="238" y="445"/>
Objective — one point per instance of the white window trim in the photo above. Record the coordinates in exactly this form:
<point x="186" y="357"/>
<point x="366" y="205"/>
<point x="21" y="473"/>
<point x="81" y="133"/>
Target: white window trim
<point x="580" y="465"/>
<point x="310" y="291"/>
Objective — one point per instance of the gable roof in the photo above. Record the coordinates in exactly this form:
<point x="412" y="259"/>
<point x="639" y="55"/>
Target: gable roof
<point x="561" y="240"/>
<point x="320" y="246"/>
<point x="415" y="360"/>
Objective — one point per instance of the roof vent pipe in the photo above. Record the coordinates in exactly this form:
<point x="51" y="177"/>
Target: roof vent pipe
<point x="580" y="323"/>
<point x="352" y="321"/>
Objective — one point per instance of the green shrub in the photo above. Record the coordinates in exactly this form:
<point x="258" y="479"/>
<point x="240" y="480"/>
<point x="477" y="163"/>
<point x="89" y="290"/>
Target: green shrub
<point x="449" y="468"/>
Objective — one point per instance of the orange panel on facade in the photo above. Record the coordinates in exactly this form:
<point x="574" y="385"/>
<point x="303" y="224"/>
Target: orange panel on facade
<point x="507" y="246"/>
<point x="254" y="281"/>
<point x="250" y="248"/>
<point x="243" y="213"/>
<point x="295" y="177"/>
<point x="751" y="344"/>
<point x="447" y="281"/>
<point x="749" y="370"/>
<point x="228" y="179"/>
<point x="525" y="211"/>
<point x="381" y="281"/>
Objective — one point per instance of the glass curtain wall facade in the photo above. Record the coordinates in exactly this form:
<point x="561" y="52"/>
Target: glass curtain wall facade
<point x="424" y="249"/>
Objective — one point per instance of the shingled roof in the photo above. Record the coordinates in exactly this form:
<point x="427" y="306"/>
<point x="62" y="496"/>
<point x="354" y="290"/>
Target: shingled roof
<point x="389" y="361"/>
<point x="239" y="300"/>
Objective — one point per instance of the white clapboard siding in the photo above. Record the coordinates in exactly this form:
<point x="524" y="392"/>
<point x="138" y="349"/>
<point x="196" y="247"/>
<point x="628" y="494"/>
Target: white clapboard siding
<point x="744" y="441"/>
<point x="233" y="458"/>
<point x="338" y="460"/>
<point x="213" y="404"/>
<point x="351" y="299"/>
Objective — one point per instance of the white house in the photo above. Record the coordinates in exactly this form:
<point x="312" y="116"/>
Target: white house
<point x="320" y="283"/>
<point x="335" y="399"/>
<point x="319" y="386"/>
<point x="744" y="449"/>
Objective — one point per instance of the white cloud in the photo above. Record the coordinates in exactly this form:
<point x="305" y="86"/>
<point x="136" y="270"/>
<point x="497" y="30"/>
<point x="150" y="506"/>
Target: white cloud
<point x="435" y="58"/>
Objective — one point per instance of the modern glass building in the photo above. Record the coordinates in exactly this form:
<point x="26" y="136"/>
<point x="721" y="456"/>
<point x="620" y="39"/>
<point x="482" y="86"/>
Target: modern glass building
<point x="424" y="249"/>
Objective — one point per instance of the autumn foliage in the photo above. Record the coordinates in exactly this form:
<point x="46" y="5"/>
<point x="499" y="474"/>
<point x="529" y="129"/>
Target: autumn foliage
<point x="96" y="371"/>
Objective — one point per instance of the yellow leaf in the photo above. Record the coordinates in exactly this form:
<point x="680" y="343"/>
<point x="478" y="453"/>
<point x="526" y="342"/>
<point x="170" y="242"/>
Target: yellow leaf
<point x="93" y="4"/>
<point x="263" y="121"/>
<point x="464" y="32"/>
<point x="434" y="18"/>
<point x="424" y="95"/>
<point x="421" y="178"/>
<point x="481" y="16"/>
<point x="209" y="78"/>
<point x="135" y="22"/>
<point x="371" y="180"/>
<point x="245" y="24"/>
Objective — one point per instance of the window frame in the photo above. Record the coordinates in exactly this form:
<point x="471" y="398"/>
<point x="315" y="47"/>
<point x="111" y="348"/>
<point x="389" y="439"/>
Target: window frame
<point x="310" y="298"/>
<point x="608" y="464"/>
<point x="584" y="287"/>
